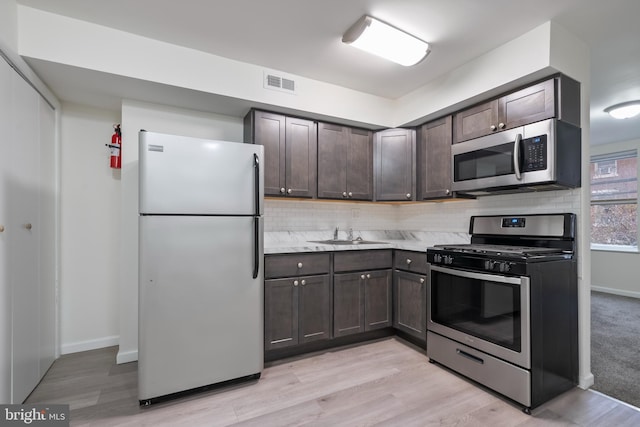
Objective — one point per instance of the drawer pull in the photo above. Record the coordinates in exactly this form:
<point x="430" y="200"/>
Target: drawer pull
<point x="422" y="280"/>
<point x="469" y="356"/>
<point x="408" y="261"/>
<point x="295" y="283"/>
<point x="299" y="265"/>
<point x="303" y="282"/>
<point x="362" y="276"/>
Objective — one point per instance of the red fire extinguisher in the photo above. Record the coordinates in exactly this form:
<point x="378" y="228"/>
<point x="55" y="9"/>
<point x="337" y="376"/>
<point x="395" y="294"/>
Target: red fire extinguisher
<point x="115" y="148"/>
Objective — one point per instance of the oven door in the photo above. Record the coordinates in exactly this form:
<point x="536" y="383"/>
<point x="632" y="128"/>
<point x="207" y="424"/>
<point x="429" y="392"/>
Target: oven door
<point x="488" y="312"/>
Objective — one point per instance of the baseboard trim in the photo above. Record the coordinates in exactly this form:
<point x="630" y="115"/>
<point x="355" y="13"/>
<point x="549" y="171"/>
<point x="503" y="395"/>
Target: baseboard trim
<point x="78" y="346"/>
<point x="126" y="356"/>
<point x="586" y="381"/>
<point x="615" y="291"/>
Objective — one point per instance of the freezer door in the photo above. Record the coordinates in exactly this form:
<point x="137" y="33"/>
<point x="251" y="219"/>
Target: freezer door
<point x="182" y="175"/>
<point x="200" y="309"/>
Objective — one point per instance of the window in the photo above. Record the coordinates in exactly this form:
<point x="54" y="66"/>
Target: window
<point x="614" y="201"/>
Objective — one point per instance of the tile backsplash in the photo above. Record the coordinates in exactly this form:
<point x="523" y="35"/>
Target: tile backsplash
<point x="305" y="215"/>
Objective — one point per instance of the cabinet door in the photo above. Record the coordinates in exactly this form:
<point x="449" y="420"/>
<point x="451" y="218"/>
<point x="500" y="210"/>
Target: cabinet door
<point x="360" y="165"/>
<point x="280" y="313"/>
<point x="434" y="159"/>
<point x="301" y="157"/>
<point x="332" y="161"/>
<point x="410" y="304"/>
<point x="394" y="169"/>
<point x="377" y="297"/>
<point x="476" y="121"/>
<point x="348" y="304"/>
<point x="269" y="131"/>
<point x="528" y="105"/>
<point x="314" y="311"/>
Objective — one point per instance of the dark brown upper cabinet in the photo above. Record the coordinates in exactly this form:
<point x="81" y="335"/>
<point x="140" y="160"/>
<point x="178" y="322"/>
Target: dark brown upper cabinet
<point x="434" y="159"/>
<point x="556" y="97"/>
<point x="345" y="163"/>
<point x="290" y="152"/>
<point x="394" y="170"/>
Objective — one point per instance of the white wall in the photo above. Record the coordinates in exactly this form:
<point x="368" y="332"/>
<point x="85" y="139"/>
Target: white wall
<point x="8" y="25"/>
<point x="156" y="118"/>
<point x="90" y="230"/>
<point x="616" y="272"/>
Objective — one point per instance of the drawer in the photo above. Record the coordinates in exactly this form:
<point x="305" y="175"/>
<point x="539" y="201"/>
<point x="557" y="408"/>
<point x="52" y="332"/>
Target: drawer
<point x="415" y="262"/>
<point x="503" y="377"/>
<point x="296" y="265"/>
<point x="362" y="260"/>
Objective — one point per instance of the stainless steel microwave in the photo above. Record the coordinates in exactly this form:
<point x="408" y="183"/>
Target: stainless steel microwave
<point x="540" y="156"/>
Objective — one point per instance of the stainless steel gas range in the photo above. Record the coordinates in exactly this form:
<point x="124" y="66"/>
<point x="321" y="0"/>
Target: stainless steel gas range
<point x="503" y="310"/>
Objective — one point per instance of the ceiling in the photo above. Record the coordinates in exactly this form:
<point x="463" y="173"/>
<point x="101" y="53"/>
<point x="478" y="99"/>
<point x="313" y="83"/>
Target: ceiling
<point x="303" y="37"/>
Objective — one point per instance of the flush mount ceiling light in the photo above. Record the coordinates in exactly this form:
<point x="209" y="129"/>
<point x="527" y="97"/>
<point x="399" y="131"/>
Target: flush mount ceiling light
<point x="382" y="39"/>
<point x="625" y="110"/>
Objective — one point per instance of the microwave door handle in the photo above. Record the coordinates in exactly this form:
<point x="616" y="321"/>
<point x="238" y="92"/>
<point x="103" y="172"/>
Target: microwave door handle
<point x="516" y="157"/>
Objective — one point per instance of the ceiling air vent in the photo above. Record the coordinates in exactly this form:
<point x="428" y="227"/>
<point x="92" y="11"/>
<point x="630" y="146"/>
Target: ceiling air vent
<point x="282" y="84"/>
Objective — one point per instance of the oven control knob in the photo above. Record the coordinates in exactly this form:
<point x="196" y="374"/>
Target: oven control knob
<point x="437" y="258"/>
<point x="505" y="267"/>
<point x="448" y="259"/>
<point x="488" y="264"/>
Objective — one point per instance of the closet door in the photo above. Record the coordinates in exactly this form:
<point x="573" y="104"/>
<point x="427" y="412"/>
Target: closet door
<point x="47" y="236"/>
<point x="23" y="189"/>
<point x="6" y="118"/>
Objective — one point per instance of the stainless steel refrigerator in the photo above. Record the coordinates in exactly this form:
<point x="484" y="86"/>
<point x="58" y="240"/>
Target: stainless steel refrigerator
<point x="200" y="263"/>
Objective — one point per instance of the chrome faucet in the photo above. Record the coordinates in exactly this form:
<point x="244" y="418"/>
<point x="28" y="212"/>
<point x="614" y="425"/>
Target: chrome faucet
<point x="350" y="235"/>
<point x="335" y="234"/>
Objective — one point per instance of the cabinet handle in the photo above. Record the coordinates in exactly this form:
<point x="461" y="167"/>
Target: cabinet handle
<point x="282" y="190"/>
<point x="344" y="194"/>
<point x="493" y="127"/>
<point x="304" y="282"/>
<point x="299" y="265"/>
<point x="408" y="261"/>
<point x="289" y="191"/>
<point x="408" y="195"/>
<point x="362" y="276"/>
<point x="447" y="191"/>
<point x="501" y="125"/>
<point x="350" y="194"/>
<point x="1" y="228"/>
<point x="28" y="226"/>
<point x="422" y="280"/>
<point x="295" y="283"/>
<point x="368" y="276"/>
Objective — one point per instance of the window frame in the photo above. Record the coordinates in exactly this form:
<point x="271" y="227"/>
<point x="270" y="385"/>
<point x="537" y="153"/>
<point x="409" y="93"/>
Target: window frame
<point x="613" y="156"/>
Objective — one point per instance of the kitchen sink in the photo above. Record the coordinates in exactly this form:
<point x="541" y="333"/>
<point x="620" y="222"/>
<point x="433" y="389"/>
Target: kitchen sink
<point x="347" y="242"/>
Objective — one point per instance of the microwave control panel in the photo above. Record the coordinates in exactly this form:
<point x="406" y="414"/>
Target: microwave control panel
<point x="535" y="153"/>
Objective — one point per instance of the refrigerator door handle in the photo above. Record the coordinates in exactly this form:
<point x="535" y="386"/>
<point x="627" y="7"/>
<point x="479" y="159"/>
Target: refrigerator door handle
<point x="256" y="190"/>
<point x="256" y="247"/>
<point x="256" y="219"/>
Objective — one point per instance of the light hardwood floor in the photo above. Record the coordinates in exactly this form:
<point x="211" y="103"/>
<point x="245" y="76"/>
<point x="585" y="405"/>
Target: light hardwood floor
<point x="387" y="382"/>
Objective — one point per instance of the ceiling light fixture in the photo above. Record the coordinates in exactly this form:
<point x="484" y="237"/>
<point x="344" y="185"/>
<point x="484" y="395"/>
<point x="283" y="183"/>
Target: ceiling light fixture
<point x="382" y="39"/>
<point x="625" y="110"/>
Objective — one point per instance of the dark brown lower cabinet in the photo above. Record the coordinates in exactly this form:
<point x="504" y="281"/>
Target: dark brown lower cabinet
<point x="410" y="308"/>
<point x="362" y="301"/>
<point x="297" y="310"/>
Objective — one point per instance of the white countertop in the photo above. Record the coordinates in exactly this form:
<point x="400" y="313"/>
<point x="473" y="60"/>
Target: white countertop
<point x="281" y="242"/>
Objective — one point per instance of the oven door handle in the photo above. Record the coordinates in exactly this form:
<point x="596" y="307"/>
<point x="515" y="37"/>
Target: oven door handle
<point x="480" y="276"/>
